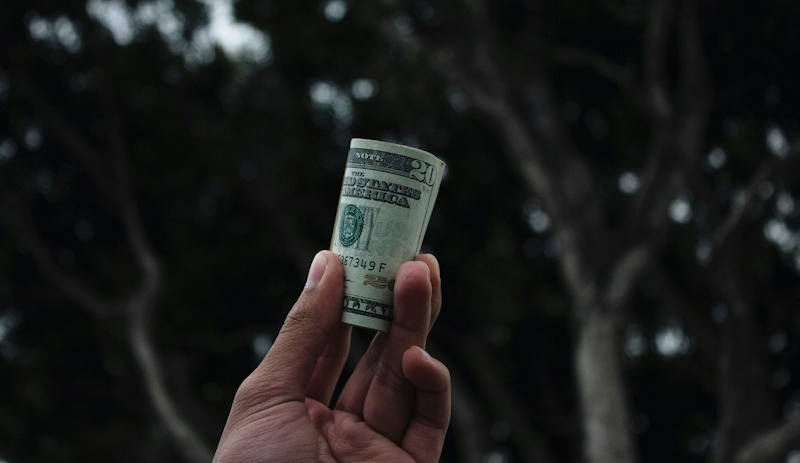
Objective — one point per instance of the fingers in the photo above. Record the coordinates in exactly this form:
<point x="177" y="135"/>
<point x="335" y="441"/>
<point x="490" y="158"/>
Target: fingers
<point x="426" y="431"/>
<point x="436" y="285"/>
<point x="355" y="390"/>
<point x="311" y="337"/>
<point x="330" y="364"/>
<point x="354" y="394"/>
<point x="388" y="403"/>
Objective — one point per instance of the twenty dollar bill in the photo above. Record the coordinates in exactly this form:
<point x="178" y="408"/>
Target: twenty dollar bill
<point x="386" y="202"/>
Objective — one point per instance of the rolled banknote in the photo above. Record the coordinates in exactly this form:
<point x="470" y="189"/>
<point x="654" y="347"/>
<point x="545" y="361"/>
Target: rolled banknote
<point x="387" y="197"/>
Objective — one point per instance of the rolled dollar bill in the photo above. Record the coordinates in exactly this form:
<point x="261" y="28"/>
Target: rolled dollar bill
<point x="387" y="197"/>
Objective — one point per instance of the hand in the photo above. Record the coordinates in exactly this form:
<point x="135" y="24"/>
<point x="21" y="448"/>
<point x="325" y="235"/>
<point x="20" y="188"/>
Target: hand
<point x="395" y="407"/>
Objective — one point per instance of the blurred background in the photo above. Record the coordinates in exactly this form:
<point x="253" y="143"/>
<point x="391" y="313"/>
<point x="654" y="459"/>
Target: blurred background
<point x="618" y="228"/>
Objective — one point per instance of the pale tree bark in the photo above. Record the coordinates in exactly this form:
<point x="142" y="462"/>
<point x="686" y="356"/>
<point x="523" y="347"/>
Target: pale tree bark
<point x="772" y="445"/>
<point x="109" y="172"/>
<point x="602" y="390"/>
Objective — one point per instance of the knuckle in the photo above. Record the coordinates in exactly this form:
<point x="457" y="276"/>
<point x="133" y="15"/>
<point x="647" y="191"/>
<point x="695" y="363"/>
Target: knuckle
<point x="299" y="315"/>
<point x="250" y="391"/>
<point x="255" y="392"/>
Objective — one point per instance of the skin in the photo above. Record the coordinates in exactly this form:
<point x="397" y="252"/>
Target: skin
<point x="395" y="407"/>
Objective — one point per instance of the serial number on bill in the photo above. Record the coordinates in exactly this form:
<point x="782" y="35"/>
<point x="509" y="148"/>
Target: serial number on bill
<point x="366" y="264"/>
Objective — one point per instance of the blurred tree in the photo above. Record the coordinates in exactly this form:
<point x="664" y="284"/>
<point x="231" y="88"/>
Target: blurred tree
<point x="647" y="123"/>
<point x="617" y="230"/>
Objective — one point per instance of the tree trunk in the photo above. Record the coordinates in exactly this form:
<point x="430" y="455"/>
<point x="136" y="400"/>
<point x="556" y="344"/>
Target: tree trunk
<point x="602" y="391"/>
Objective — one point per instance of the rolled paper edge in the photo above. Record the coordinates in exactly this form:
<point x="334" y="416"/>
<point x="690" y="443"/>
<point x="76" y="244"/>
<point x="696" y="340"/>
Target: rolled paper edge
<point x="398" y="149"/>
<point x="366" y="322"/>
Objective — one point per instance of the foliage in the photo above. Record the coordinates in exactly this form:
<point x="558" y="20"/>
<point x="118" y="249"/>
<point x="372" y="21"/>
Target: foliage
<point x="232" y="162"/>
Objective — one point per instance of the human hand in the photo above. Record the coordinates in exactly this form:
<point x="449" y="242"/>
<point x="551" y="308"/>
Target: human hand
<point x="395" y="407"/>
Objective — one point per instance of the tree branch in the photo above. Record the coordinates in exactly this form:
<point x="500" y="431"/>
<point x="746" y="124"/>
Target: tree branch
<point x="80" y="147"/>
<point x="193" y="448"/>
<point x="625" y="275"/>
<point x="143" y="301"/>
<point x="767" y="171"/>
<point x="657" y="28"/>
<point x="695" y="85"/>
<point x="621" y="75"/>
<point x="679" y="121"/>
<point x="112" y="177"/>
<point x="656" y="174"/>
<point x="572" y="173"/>
<point x="493" y="100"/>
<point x="773" y="444"/>
<point x="75" y="290"/>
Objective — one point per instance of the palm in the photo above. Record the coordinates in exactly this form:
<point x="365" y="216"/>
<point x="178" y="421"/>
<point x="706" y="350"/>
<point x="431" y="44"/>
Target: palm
<point x="395" y="406"/>
<point x="345" y="437"/>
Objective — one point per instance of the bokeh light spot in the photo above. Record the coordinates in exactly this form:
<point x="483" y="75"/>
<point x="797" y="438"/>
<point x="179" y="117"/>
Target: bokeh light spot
<point x="335" y="10"/>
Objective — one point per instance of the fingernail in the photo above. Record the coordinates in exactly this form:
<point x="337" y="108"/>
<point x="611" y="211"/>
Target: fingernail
<point x="318" y="266"/>
<point x="425" y="354"/>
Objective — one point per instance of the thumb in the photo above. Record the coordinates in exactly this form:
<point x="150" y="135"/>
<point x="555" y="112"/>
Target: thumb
<point x="287" y="368"/>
